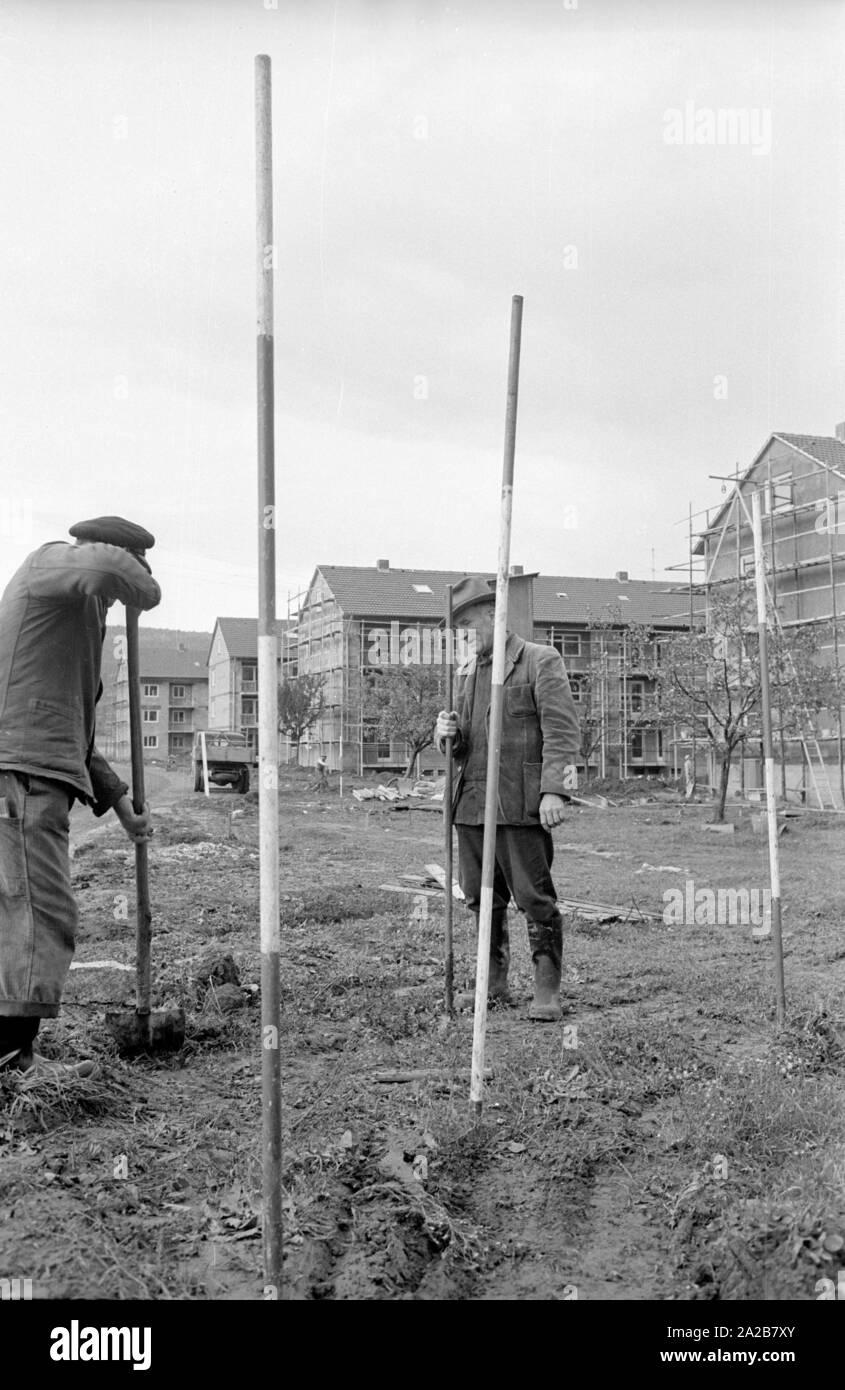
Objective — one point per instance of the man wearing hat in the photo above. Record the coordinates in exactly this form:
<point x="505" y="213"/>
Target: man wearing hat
<point x="52" y="626"/>
<point x="539" y="748"/>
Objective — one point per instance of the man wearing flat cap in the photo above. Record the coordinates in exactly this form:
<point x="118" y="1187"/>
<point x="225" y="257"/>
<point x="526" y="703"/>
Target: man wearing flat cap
<point x="52" y="626"/>
<point x="539" y="748"/>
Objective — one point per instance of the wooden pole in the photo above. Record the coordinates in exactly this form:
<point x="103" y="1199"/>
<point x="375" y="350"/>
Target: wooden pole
<point x="144" y="916"/>
<point x="268" y="700"/>
<point x="447" y="814"/>
<point x="771" y="804"/>
<point x="834" y="516"/>
<point x="204" y="751"/>
<point x="491" y="801"/>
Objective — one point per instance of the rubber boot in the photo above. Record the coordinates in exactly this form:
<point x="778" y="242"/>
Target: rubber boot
<point x="17" y="1035"/>
<point x="500" y="957"/>
<point x="545" y="1006"/>
<point x="497" y="978"/>
<point x="546" y="940"/>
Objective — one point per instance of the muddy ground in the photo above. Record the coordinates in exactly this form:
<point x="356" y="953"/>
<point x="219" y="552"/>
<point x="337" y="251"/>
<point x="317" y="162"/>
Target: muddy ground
<point x="663" y="1142"/>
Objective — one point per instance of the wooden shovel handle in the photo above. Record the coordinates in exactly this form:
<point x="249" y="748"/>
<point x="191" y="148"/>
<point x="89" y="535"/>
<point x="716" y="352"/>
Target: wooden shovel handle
<point x="144" y="914"/>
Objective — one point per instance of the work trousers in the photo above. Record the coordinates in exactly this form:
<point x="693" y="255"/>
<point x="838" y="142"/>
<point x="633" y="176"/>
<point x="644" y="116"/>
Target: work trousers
<point x="38" y="915"/>
<point x="523" y="871"/>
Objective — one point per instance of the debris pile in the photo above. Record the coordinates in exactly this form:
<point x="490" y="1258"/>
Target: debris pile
<point x="431" y="884"/>
<point x="427" y="789"/>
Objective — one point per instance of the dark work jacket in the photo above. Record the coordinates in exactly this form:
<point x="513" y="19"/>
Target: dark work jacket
<point x="52" y="625"/>
<point x="541" y="735"/>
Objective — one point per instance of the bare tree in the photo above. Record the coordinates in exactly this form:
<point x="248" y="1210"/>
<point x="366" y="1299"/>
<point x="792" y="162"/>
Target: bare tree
<point x="711" y="680"/>
<point x="301" y="704"/>
<point x="404" y="701"/>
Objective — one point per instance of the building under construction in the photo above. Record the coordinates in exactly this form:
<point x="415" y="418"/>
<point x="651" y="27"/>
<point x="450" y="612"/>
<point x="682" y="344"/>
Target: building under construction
<point x="353" y="621"/>
<point x="801" y="482"/>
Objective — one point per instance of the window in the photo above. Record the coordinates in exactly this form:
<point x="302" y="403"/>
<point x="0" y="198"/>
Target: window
<point x="249" y="708"/>
<point x="177" y="741"/>
<point x="151" y="740"/>
<point x="151" y="692"/>
<point x="578" y="686"/>
<point x="149" y="716"/>
<point x="423" y="589"/>
<point x="178" y="692"/>
<point x="660" y="745"/>
<point x="383" y="750"/>
<point x="567" y="643"/>
<point x="636" y="745"/>
<point x="178" y="716"/>
<point x="746" y="564"/>
<point x="248" y="672"/>
<point x="781" y="493"/>
<point x="561" y="595"/>
<point x="636" y="696"/>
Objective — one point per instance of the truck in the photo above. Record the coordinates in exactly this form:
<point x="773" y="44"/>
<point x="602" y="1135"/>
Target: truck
<point x="228" y="757"/>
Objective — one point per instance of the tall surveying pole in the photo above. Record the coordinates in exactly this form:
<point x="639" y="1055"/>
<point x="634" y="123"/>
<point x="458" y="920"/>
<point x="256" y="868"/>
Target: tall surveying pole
<point x="768" y="753"/>
<point x="268" y="737"/>
<point x="494" y="738"/>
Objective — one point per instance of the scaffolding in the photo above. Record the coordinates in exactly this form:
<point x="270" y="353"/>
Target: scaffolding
<point x="726" y="560"/>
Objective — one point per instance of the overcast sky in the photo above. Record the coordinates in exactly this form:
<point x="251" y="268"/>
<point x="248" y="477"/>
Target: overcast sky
<point x="682" y="271"/>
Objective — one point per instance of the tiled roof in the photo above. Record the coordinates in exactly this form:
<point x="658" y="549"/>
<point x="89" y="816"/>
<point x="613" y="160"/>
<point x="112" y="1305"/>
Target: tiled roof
<point x="372" y="593"/>
<point x="603" y="600"/>
<point x="169" y="664"/>
<point x="823" y="447"/>
<point x="165" y="653"/>
<point x="241" y="636"/>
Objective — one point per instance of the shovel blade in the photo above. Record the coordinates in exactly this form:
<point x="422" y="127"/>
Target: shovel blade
<point x="162" y="1030"/>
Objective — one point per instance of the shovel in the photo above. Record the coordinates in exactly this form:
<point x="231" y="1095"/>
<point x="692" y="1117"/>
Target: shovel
<point x="145" y="1030"/>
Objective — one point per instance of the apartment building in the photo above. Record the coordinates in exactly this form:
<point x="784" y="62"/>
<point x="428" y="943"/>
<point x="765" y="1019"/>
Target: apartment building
<point x="351" y="615"/>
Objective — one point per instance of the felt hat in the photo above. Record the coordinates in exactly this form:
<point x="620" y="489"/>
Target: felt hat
<point x="114" y="530"/>
<point x="474" y="588"/>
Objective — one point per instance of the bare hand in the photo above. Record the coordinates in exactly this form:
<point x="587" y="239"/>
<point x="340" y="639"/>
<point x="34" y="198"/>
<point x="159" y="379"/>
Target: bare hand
<point x="138" y="828"/>
<point x="447" y="724"/>
<point x="551" y="811"/>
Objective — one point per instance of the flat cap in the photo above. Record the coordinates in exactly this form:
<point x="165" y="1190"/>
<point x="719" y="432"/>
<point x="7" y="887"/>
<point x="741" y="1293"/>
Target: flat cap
<point x="114" y="530"/>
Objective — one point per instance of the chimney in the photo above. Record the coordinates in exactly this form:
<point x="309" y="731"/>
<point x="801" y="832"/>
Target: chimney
<point x="622" y="576"/>
<point x="840" y="431"/>
<point x="517" y="569"/>
<point x="382" y="564"/>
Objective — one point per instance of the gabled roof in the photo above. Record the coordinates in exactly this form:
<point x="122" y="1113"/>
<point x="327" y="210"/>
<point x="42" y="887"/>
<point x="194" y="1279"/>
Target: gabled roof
<point x="604" y="600"/>
<point x="241" y="636"/>
<point x="165" y="663"/>
<point x="824" y="449"/>
<point x="164" y="653"/>
<point x="364" y="592"/>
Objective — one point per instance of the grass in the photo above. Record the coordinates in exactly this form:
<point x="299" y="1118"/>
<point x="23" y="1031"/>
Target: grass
<point x="673" y="1062"/>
